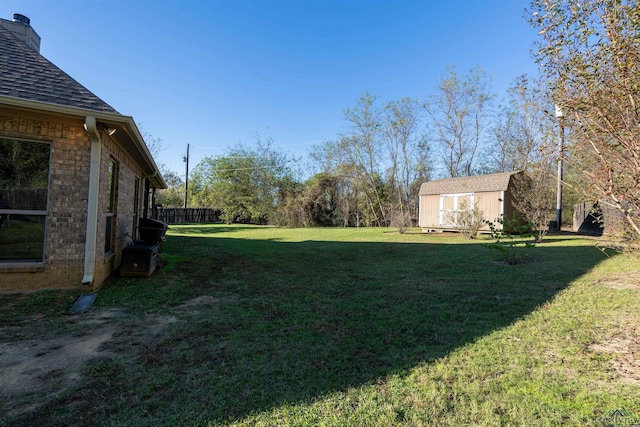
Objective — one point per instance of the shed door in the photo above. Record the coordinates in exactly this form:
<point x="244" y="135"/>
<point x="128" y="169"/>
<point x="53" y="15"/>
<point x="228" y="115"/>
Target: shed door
<point x="451" y="205"/>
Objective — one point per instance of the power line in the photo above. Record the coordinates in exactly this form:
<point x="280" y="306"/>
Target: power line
<point x="299" y="144"/>
<point x="242" y="169"/>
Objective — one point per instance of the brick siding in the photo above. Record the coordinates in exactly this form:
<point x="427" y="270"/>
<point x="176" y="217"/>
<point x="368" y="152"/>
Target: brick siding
<point x="68" y="197"/>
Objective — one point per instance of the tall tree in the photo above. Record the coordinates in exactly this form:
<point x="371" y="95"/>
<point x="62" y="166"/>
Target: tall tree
<point x="589" y="52"/>
<point x="534" y="196"/>
<point x="524" y="129"/>
<point x="377" y="167"/>
<point x="458" y="112"/>
<point x="244" y="184"/>
<point x="328" y="159"/>
<point x="409" y="156"/>
<point x="173" y="195"/>
<point x="361" y="153"/>
<point x="319" y="200"/>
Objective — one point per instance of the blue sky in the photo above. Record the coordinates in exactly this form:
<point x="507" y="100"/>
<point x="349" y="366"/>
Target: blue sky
<point x="214" y="73"/>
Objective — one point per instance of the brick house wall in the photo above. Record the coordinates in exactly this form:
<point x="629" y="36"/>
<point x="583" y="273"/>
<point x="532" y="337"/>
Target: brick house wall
<point x="128" y="172"/>
<point x="65" y="235"/>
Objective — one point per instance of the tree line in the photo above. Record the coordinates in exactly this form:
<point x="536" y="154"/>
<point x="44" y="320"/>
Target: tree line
<point x="371" y="174"/>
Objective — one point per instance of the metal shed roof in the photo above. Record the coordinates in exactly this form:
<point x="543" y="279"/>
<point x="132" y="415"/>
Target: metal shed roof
<point x="468" y="184"/>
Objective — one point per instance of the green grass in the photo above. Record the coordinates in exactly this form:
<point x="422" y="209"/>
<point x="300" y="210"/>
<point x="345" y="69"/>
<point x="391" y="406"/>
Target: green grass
<point x="21" y="238"/>
<point x="361" y="327"/>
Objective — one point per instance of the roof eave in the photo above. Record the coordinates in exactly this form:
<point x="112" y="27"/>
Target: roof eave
<point x="124" y="123"/>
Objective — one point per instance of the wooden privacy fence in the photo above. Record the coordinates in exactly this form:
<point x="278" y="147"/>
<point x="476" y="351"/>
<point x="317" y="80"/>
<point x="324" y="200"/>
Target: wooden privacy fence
<point x="23" y="199"/>
<point x="188" y="215"/>
<point x="595" y="219"/>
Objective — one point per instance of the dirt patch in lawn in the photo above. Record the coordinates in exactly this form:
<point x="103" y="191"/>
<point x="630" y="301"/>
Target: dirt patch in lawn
<point x="623" y="281"/>
<point x="625" y="346"/>
<point x="34" y="371"/>
<point x="625" y="349"/>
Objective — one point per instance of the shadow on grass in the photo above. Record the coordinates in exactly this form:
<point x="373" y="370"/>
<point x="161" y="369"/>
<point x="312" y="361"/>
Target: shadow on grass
<point x="296" y="321"/>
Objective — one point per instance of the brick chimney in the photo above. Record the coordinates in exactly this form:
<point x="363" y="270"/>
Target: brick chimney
<point x="21" y="29"/>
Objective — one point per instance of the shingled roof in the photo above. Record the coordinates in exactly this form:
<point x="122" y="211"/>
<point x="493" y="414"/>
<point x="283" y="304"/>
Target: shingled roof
<point x="469" y="184"/>
<point x="25" y="74"/>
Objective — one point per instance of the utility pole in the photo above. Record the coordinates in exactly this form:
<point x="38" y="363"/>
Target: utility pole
<point x="186" y="178"/>
<point x="560" y="117"/>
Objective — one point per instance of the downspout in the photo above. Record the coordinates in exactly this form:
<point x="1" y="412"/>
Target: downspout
<point x="92" y="206"/>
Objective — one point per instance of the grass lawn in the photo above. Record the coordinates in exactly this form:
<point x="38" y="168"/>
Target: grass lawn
<point x="21" y="238"/>
<point x="348" y="327"/>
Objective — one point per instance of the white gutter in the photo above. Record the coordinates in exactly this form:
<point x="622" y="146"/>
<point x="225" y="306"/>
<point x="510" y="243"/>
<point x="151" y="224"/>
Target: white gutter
<point x="92" y="207"/>
<point x="106" y="118"/>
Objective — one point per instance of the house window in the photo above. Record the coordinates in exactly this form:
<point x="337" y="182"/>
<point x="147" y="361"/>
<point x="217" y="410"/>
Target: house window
<point x="24" y="190"/>
<point x="451" y="207"/>
<point x="112" y="199"/>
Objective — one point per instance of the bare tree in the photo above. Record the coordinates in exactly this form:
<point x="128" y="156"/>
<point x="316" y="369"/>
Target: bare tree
<point x="379" y="164"/>
<point x="409" y="155"/>
<point x="458" y="112"/>
<point x="522" y="132"/>
<point x="534" y="197"/>
<point x="154" y="144"/>
<point x="590" y="55"/>
<point x="361" y="151"/>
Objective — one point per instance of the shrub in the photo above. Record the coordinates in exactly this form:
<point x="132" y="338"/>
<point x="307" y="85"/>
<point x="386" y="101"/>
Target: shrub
<point x="401" y="220"/>
<point x="506" y="243"/>
<point x="470" y="221"/>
